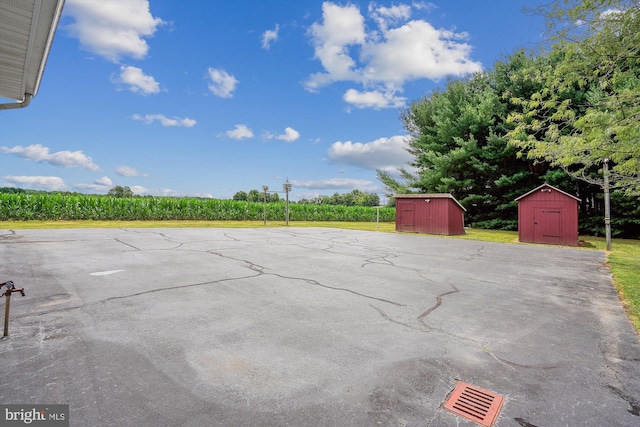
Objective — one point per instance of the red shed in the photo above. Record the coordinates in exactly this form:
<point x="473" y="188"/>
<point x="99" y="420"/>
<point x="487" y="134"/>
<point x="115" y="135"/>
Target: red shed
<point x="548" y="215"/>
<point x="429" y="213"/>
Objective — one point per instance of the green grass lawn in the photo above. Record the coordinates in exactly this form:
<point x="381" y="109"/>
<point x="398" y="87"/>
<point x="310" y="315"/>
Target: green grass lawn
<point x="624" y="259"/>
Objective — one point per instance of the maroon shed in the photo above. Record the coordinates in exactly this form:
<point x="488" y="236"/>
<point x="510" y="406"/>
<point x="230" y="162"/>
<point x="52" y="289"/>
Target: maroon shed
<point x="429" y="214"/>
<point x="548" y="215"/>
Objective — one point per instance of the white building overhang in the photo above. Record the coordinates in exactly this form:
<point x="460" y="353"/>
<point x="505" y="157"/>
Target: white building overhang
<point x="27" y="28"/>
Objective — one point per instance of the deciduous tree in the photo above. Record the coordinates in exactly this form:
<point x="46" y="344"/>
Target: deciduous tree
<point x="240" y="196"/>
<point x="120" y="191"/>
<point x="587" y="107"/>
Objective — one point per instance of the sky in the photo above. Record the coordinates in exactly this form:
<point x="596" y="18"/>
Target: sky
<point x="206" y="98"/>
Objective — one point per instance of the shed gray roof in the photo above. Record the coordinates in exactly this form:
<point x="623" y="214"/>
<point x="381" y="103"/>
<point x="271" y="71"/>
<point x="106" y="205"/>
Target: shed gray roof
<point x="429" y="196"/>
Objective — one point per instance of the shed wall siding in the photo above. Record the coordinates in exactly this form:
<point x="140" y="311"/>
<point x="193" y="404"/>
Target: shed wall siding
<point x="405" y="215"/>
<point x="548" y="217"/>
<point x="456" y="220"/>
<point x="429" y="215"/>
<point x="432" y="216"/>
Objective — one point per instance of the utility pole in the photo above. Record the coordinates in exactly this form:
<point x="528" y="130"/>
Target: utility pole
<point x="607" y="204"/>
<point x="287" y="187"/>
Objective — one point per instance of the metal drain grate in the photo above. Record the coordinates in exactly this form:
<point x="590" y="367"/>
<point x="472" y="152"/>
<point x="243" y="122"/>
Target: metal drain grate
<point x="475" y="404"/>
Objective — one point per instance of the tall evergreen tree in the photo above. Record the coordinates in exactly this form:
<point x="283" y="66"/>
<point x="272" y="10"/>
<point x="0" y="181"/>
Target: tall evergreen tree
<point x="458" y="139"/>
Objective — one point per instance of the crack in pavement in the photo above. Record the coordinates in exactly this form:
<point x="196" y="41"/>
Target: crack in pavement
<point x="480" y="344"/>
<point x="514" y="365"/>
<point x="23" y="242"/>
<point x="11" y="236"/>
<point x="524" y="423"/>
<point x="260" y="269"/>
<point x="340" y="241"/>
<point x="425" y="326"/>
<point x="385" y="317"/>
<point x="231" y="237"/>
<point x="635" y="405"/>
<point x="164" y="236"/>
<point x="476" y="254"/>
<point x="437" y="304"/>
<point x="383" y="260"/>
<point x="150" y="291"/>
<point x="125" y="243"/>
<point x="128" y="230"/>
<point x="316" y="283"/>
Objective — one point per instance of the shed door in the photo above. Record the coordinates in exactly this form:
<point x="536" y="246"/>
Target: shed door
<point x="405" y="215"/>
<point x="547" y="225"/>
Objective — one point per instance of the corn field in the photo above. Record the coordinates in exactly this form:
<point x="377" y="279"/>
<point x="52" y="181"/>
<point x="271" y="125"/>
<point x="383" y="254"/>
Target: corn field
<point x="51" y="207"/>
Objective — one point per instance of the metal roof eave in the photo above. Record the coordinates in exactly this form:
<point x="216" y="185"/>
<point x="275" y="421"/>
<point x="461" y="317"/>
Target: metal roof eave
<point x="429" y="196"/>
<point x="545" y="185"/>
<point x="26" y="34"/>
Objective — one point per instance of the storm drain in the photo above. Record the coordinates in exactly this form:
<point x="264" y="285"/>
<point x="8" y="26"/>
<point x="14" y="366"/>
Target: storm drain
<point x="475" y="404"/>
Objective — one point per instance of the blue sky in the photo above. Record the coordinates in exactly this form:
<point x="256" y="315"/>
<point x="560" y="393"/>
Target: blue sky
<point x="207" y="98"/>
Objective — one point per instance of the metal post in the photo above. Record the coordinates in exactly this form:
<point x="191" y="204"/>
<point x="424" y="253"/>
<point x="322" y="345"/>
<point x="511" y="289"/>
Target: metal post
<point x="287" y="208"/>
<point x="287" y="188"/>
<point x="607" y="205"/>
<point x="265" y="188"/>
<point x="7" y="305"/>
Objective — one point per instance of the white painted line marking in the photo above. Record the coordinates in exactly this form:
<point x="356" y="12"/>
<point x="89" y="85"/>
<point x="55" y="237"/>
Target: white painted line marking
<point x="104" y="273"/>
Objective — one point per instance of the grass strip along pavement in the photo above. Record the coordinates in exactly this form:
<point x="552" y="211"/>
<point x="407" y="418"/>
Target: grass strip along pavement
<point x="624" y="259"/>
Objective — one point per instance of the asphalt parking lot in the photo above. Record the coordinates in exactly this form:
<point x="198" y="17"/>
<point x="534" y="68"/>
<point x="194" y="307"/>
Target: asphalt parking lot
<point x="311" y="327"/>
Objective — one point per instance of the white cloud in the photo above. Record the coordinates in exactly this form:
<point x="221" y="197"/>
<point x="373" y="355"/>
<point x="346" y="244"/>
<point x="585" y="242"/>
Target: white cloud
<point x="39" y="153"/>
<point x="417" y="50"/>
<point x="382" y="59"/>
<point x="222" y="83"/>
<point x="137" y="81"/>
<point x="175" y="193"/>
<point x="373" y="99"/>
<point x="290" y="135"/>
<point x="610" y="12"/>
<point x="112" y="28"/>
<point x="240" y="132"/>
<point x="123" y="170"/>
<point x="165" y="121"/>
<point x="91" y="187"/>
<point x="388" y="154"/>
<point x="270" y="36"/>
<point x="335" y="183"/>
<point x="105" y="180"/>
<point x="341" y="28"/>
<point x="49" y="183"/>
<point x="140" y="190"/>
<point x="100" y="184"/>
<point x="421" y="5"/>
<point x="385" y="16"/>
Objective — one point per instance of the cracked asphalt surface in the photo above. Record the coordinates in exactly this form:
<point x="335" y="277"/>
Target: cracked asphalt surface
<point x="311" y="326"/>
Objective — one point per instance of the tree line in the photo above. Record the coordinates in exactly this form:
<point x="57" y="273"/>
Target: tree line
<point x="550" y="117"/>
<point x="354" y="198"/>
